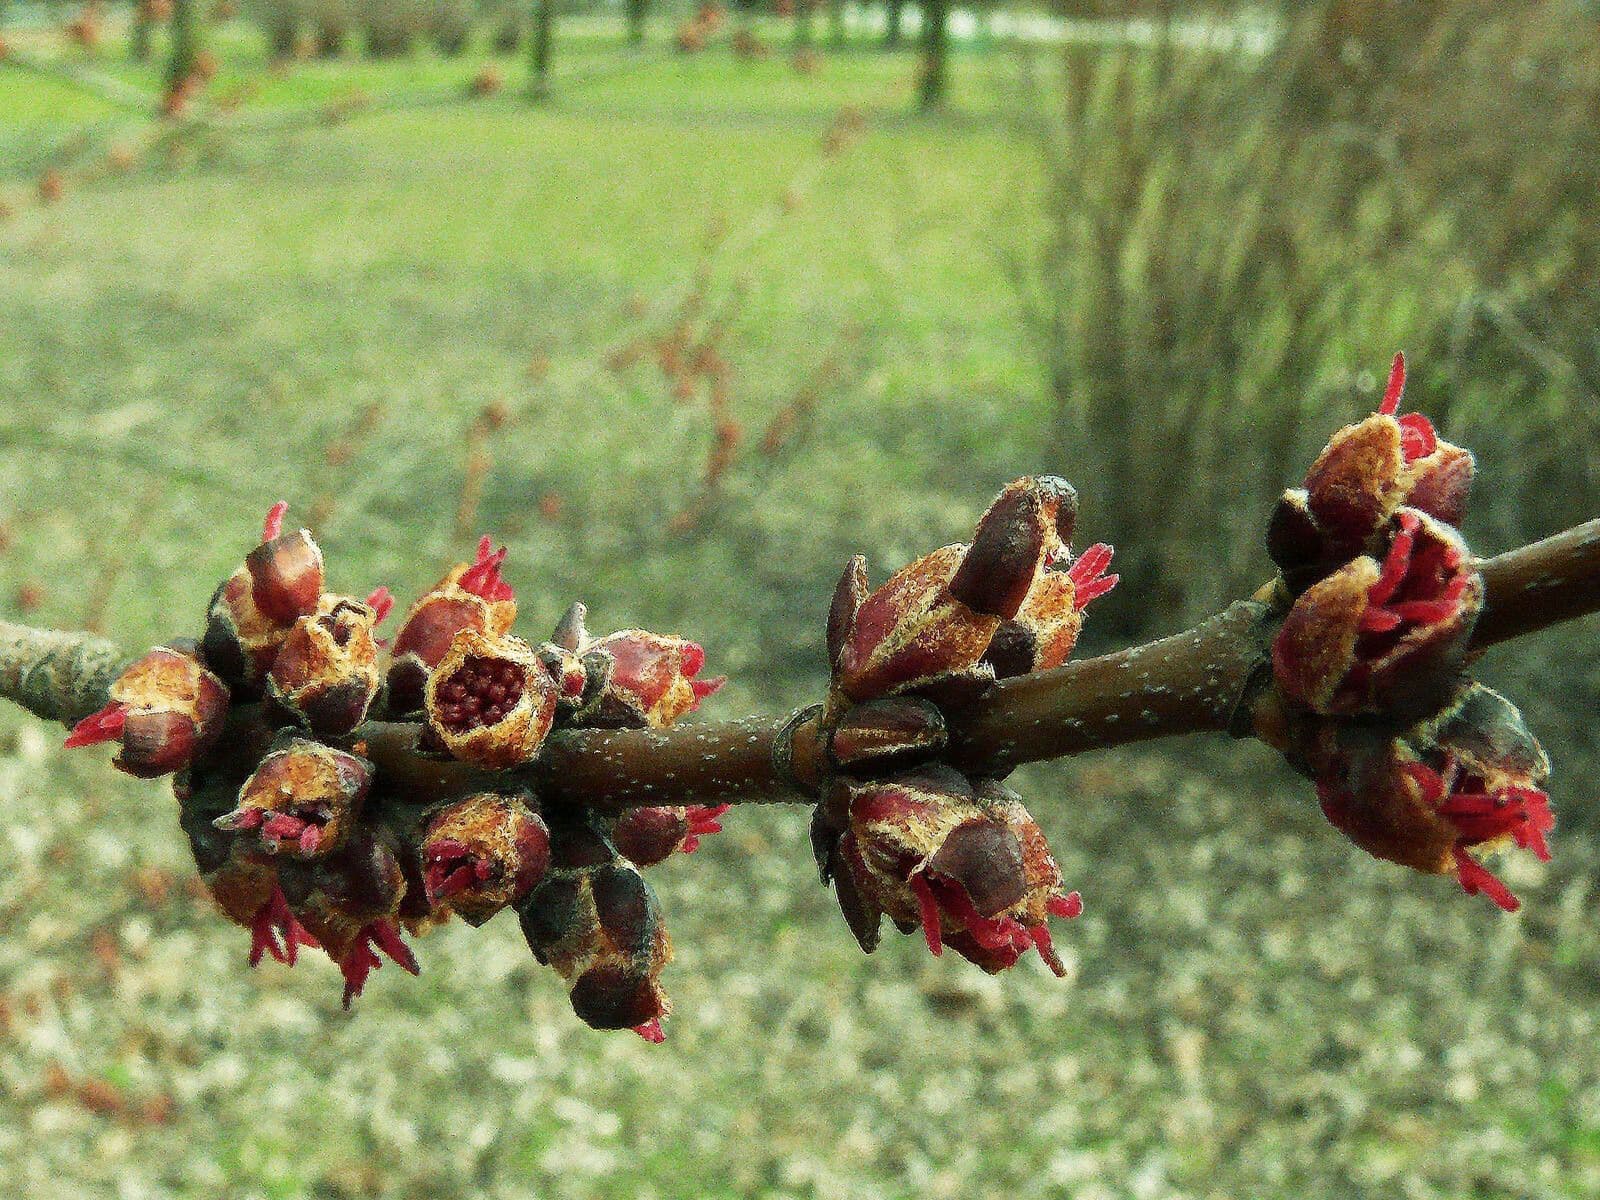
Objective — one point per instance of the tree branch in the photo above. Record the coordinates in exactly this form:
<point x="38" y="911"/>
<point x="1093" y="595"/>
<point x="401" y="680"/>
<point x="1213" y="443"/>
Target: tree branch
<point x="1195" y="681"/>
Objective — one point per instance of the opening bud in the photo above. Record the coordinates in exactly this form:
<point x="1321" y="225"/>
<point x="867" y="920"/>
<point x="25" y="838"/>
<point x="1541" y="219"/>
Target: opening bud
<point x="326" y="673"/>
<point x="490" y="701"/>
<point x="166" y="711"/>
<point x="483" y="853"/>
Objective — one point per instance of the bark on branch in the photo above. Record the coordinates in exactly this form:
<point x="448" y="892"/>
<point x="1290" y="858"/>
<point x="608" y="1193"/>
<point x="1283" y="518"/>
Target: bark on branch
<point x="1195" y="681"/>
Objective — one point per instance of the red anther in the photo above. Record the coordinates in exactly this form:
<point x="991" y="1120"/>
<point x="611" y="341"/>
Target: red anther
<point x="310" y="839"/>
<point x="273" y="526"/>
<point x="482" y="578"/>
<point x="1066" y="907"/>
<point x="103" y="726"/>
<point x="381" y="601"/>
<point x="1475" y="878"/>
<point x="1396" y="386"/>
<point x="651" y="1031"/>
<point x="706" y="687"/>
<point x="1089" y="580"/>
<point x="928" y="909"/>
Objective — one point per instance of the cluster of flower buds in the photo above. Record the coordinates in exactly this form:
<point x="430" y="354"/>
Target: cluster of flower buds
<point x="598" y="923"/>
<point x="900" y="833"/>
<point x="1412" y="762"/>
<point x="305" y="843"/>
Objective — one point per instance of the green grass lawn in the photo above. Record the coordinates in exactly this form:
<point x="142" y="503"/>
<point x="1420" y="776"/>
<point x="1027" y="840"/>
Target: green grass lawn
<point x="1252" y="1010"/>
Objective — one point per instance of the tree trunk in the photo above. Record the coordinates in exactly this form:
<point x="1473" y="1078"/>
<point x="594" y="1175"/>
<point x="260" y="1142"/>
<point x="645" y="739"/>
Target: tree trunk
<point x="637" y="10"/>
<point x="804" y="10"/>
<point x="894" y="17"/>
<point x="935" y="42"/>
<point x="544" y="18"/>
<point x="139" y="40"/>
<point x="185" y="41"/>
<point x="836" y="24"/>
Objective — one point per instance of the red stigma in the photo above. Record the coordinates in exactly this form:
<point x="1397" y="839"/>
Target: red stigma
<point x="482" y="578"/>
<point x="706" y="687"/>
<point x="361" y="959"/>
<point x="1395" y="387"/>
<point x="1417" y="438"/>
<point x="1065" y="907"/>
<point x="453" y="869"/>
<point x="703" y="821"/>
<point x="271" y="919"/>
<point x="651" y="1031"/>
<point x="1520" y="813"/>
<point x="103" y="726"/>
<point x="381" y="601"/>
<point x="273" y="526"/>
<point x="1089" y="580"/>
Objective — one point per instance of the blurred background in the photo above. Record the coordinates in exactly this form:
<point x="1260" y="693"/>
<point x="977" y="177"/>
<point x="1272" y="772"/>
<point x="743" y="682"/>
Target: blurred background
<point x="687" y="304"/>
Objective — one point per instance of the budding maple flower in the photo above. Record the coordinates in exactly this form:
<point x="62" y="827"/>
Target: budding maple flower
<point x="252" y="612"/>
<point x="326" y="672"/>
<point x="652" y="680"/>
<point x="482" y="853"/>
<point x="303" y="800"/>
<point x="245" y="888"/>
<point x="1468" y="780"/>
<point x="646" y="836"/>
<point x="931" y="624"/>
<point x="598" y="923"/>
<point x="1386" y="637"/>
<point x="166" y="710"/>
<point x="471" y="596"/>
<point x="1045" y="630"/>
<point x="490" y="701"/>
<point x="1367" y="472"/>
<point x="967" y="865"/>
<point x="350" y="903"/>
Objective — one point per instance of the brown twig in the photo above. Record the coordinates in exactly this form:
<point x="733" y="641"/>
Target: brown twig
<point x="1194" y="681"/>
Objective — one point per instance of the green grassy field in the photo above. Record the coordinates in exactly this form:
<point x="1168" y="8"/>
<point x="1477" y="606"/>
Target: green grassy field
<point x="1252" y="1009"/>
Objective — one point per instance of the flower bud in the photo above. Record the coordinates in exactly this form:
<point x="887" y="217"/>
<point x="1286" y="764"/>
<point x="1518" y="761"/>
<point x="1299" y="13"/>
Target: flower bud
<point x="481" y="854"/>
<point x="1025" y="530"/>
<point x="252" y="612"/>
<point x="326" y="672"/>
<point x="968" y="866"/>
<point x="652" y="681"/>
<point x="1045" y="630"/>
<point x="1383" y="638"/>
<point x="646" y="836"/>
<point x="598" y="923"/>
<point x="166" y="710"/>
<point x="929" y="627"/>
<point x="303" y="800"/>
<point x="1367" y="472"/>
<point x="245" y="888"/>
<point x="490" y="701"/>
<point x="911" y="633"/>
<point x="471" y="596"/>
<point x="882" y="734"/>
<point x="1467" y="780"/>
<point x="350" y="903"/>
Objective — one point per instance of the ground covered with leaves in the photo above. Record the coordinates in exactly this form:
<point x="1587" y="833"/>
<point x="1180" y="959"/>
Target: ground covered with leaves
<point x="362" y="319"/>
